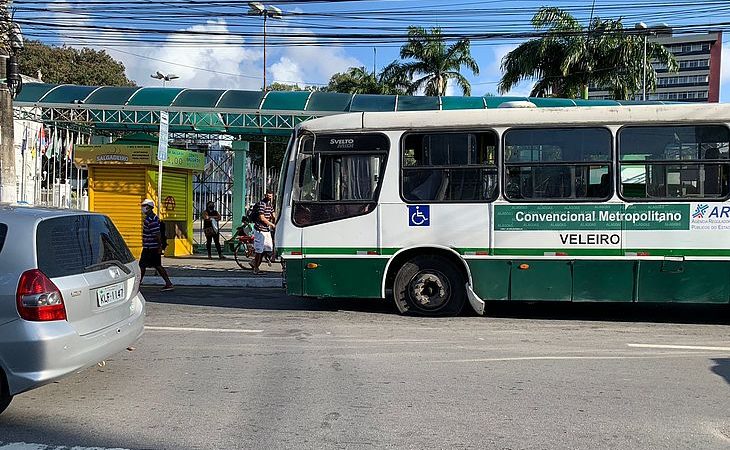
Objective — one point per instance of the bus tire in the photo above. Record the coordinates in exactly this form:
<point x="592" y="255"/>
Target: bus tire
<point x="429" y="285"/>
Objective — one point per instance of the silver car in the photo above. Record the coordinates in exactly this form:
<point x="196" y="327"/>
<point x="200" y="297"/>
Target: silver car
<point x="69" y="295"/>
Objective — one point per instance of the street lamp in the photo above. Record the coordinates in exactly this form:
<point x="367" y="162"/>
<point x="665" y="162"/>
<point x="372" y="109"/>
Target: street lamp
<point x="657" y="29"/>
<point x="14" y="80"/>
<point x="165" y="78"/>
<point x="265" y="11"/>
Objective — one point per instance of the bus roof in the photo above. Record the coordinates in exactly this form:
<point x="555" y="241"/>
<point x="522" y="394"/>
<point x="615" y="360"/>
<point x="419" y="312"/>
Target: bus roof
<point x="501" y="117"/>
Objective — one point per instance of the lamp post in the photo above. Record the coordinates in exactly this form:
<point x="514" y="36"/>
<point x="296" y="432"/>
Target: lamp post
<point x="164" y="77"/>
<point x="656" y="30"/>
<point x="11" y="84"/>
<point x="14" y="80"/>
<point x="266" y="12"/>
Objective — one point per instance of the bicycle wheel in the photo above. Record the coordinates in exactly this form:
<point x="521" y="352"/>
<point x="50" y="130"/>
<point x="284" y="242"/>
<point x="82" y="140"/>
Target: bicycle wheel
<point x="240" y="254"/>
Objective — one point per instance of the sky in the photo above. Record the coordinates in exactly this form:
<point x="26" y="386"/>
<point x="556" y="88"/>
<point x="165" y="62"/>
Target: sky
<point x="214" y="44"/>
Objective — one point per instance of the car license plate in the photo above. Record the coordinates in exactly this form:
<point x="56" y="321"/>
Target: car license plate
<point x="110" y="294"/>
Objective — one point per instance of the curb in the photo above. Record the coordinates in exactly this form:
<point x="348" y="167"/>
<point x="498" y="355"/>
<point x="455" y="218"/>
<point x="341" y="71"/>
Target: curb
<point x="246" y="282"/>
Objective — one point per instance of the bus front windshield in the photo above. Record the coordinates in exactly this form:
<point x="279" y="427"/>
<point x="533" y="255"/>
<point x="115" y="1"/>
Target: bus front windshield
<point x="337" y="176"/>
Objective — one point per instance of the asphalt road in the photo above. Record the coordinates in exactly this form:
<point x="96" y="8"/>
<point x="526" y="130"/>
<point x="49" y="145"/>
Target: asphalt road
<point x="226" y="369"/>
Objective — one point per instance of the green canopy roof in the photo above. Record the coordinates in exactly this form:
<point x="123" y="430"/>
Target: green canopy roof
<point x="234" y="111"/>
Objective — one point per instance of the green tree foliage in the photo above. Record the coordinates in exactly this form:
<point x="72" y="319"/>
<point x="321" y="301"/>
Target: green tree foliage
<point x="431" y="63"/>
<point x="357" y="80"/>
<point x="73" y="66"/>
<point x="276" y="86"/>
<point x="570" y="57"/>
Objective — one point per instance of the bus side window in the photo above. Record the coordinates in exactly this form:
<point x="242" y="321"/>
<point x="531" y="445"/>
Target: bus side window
<point x="449" y="166"/>
<point x="674" y="162"/>
<point x="557" y="163"/>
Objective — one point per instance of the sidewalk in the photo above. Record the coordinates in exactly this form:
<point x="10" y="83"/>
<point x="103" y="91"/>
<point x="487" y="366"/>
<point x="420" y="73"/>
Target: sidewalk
<point x="198" y="270"/>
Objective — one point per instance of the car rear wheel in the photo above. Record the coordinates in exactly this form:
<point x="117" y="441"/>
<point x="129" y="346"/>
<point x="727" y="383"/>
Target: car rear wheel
<point x="429" y="286"/>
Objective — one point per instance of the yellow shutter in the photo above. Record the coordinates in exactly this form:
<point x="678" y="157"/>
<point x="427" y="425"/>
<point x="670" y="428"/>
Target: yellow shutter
<point x="117" y="192"/>
<point x="175" y="196"/>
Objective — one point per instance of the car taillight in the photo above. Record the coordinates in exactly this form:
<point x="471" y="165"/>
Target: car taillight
<point x="38" y="298"/>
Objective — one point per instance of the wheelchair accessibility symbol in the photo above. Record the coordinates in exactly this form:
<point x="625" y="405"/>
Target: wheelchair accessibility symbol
<point x="419" y="216"/>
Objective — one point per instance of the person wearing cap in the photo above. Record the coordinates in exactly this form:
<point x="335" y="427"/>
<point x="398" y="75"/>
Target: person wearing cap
<point x="152" y="244"/>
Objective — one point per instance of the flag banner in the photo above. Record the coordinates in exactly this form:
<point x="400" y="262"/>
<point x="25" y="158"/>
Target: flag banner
<point x="43" y="140"/>
<point x="24" y="144"/>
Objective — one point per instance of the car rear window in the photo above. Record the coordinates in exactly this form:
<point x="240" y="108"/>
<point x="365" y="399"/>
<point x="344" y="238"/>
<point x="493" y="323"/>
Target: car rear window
<point x="77" y="244"/>
<point x="3" y="233"/>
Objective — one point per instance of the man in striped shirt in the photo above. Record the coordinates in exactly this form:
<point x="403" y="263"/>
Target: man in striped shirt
<point x="263" y="225"/>
<point x="152" y="244"/>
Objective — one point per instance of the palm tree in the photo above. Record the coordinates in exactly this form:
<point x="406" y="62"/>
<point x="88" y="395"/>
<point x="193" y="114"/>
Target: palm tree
<point x="357" y="80"/>
<point x="432" y="62"/>
<point x="569" y="57"/>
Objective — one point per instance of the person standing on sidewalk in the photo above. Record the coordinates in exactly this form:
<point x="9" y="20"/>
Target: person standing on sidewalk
<point x="152" y="244"/>
<point x="263" y="225"/>
<point x="211" y="228"/>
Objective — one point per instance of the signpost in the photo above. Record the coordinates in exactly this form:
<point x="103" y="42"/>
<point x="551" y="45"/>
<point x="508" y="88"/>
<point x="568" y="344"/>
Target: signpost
<point x="161" y="155"/>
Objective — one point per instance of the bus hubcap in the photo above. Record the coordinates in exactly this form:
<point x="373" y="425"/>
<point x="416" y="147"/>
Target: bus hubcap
<point x="429" y="290"/>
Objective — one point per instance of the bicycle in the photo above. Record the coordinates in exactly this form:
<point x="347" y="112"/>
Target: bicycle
<point x="242" y="244"/>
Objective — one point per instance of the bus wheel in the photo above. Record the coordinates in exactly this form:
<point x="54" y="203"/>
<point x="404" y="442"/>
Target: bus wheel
<point x="429" y="286"/>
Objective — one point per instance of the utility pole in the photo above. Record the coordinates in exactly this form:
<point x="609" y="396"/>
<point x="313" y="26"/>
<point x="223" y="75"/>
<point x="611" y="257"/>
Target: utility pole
<point x="8" y="178"/>
<point x="267" y="12"/>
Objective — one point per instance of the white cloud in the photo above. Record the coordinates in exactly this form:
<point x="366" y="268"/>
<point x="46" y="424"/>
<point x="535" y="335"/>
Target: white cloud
<point x="229" y="64"/>
<point x="309" y="64"/>
<point x="239" y="67"/>
<point x="452" y="88"/>
<point x="71" y="16"/>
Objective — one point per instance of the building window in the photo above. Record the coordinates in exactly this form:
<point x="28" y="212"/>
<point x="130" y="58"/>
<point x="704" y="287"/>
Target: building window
<point x="674" y="162"/>
<point x="557" y="164"/>
<point x="449" y="167"/>
<point x="688" y="48"/>
<point x="693" y="63"/>
<point x="689" y="79"/>
<point x="687" y="95"/>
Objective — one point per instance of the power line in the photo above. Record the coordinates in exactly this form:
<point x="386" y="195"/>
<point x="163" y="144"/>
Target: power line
<point x="254" y="77"/>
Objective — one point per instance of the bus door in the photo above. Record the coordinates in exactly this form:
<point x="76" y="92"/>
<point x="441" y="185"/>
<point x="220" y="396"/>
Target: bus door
<point x="337" y="212"/>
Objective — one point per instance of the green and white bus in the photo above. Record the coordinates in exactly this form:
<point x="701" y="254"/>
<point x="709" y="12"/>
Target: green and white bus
<point x="439" y="208"/>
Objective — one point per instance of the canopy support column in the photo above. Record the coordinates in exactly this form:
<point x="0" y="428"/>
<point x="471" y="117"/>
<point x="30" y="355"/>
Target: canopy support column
<point x="240" y="156"/>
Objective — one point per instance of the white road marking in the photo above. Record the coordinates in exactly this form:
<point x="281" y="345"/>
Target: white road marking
<point x="204" y="330"/>
<point x="681" y="347"/>
<point x="30" y="446"/>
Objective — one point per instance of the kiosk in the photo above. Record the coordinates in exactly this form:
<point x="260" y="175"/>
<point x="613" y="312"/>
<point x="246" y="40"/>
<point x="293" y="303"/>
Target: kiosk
<point x="124" y="173"/>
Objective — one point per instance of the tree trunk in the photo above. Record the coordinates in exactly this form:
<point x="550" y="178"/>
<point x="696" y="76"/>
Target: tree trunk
<point x="8" y="179"/>
<point x="584" y="91"/>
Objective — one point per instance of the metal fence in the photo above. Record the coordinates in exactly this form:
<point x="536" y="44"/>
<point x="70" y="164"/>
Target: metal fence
<point x="215" y="183"/>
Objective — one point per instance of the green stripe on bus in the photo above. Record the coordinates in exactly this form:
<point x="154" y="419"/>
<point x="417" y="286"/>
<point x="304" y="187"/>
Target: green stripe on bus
<point x="349" y="251"/>
<point x="681" y="252"/>
<point x="355" y="250"/>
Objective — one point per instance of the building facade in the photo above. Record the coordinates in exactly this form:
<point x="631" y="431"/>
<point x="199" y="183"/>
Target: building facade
<point x="698" y="79"/>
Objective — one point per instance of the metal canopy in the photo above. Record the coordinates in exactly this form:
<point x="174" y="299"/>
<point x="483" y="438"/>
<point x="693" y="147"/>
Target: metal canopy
<point x="210" y="111"/>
